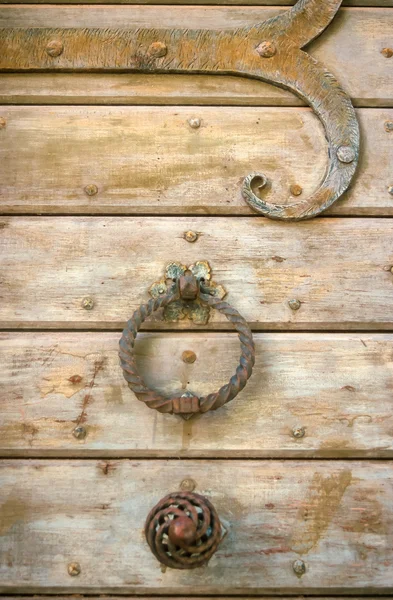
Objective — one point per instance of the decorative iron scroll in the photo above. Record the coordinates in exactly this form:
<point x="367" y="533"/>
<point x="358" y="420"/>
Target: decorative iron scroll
<point x="271" y="52"/>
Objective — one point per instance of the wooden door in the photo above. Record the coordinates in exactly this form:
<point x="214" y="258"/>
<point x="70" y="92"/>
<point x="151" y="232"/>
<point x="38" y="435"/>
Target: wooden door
<point x="101" y="175"/>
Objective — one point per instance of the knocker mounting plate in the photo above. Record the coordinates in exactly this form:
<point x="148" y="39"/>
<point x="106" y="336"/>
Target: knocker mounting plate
<point x="270" y="51"/>
<point x="194" y="310"/>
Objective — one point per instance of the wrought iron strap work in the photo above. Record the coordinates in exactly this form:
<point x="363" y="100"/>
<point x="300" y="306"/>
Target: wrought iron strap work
<point x="187" y="288"/>
<point x="183" y="530"/>
<point x="270" y="51"/>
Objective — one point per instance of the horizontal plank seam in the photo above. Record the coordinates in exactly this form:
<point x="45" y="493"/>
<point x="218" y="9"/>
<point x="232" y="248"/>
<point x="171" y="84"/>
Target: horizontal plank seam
<point x="75" y="329"/>
<point x="171" y="215"/>
<point x="219" y="104"/>
<point x="280" y="7"/>
<point x="175" y="457"/>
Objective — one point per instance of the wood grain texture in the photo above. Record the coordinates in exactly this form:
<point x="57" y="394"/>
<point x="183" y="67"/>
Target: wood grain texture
<point x="336" y="386"/>
<point x="350" y="48"/>
<point x="339" y="269"/>
<point x="370" y="3"/>
<point x="103" y="597"/>
<point x="337" y="517"/>
<point x="148" y="160"/>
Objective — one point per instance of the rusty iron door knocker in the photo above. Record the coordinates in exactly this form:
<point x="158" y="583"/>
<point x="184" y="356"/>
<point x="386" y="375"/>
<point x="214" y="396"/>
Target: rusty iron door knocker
<point x="186" y="287"/>
<point x="270" y="51"/>
<point x="183" y="530"/>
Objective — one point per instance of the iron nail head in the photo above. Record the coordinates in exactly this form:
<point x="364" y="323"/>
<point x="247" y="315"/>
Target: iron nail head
<point x="158" y="49"/>
<point x="387" y="52"/>
<point x="294" y="304"/>
<point x="79" y="432"/>
<point x="346" y="154"/>
<point x="188" y="357"/>
<point x="299" y="567"/>
<point x="194" y="122"/>
<point x="266" y="49"/>
<point x="87" y="303"/>
<point x="296" y="189"/>
<point x="74" y="569"/>
<point x="191" y="236"/>
<point x="91" y="189"/>
<point x="188" y="485"/>
<point x="298" y="432"/>
<point x="54" y="48"/>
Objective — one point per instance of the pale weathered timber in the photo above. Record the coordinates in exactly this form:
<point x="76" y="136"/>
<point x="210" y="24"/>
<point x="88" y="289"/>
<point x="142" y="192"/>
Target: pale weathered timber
<point x="339" y="270"/>
<point x="235" y="51"/>
<point x="379" y="3"/>
<point x="335" y="388"/>
<point x="109" y="88"/>
<point x="148" y="160"/>
<point x="103" y="597"/>
<point x="350" y="48"/>
<point x="336" y="516"/>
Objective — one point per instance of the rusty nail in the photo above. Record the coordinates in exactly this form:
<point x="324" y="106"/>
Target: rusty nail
<point x="299" y="567"/>
<point x="294" y="304"/>
<point x="74" y="569"/>
<point x="298" y="432"/>
<point x="188" y="357"/>
<point x="79" y="432"/>
<point x="346" y="154"/>
<point x="387" y="52"/>
<point x="188" y="485"/>
<point x="3" y="122"/>
<point x="190" y="236"/>
<point x="390" y="190"/>
<point x="195" y="123"/>
<point x="296" y="189"/>
<point x="157" y="49"/>
<point x="388" y="126"/>
<point x="91" y="189"/>
<point x="266" y="49"/>
<point x="54" y="48"/>
<point x="87" y="303"/>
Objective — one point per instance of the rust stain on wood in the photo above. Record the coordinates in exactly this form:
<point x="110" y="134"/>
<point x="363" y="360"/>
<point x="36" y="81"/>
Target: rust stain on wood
<point x="88" y="398"/>
<point x="14" y="510"/>
<point x="321" y="502"/>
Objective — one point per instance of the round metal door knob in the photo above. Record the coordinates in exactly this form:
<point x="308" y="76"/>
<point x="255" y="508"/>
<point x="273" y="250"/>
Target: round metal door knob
<point x="187" y="287"/>
<point x="183" y="530"/>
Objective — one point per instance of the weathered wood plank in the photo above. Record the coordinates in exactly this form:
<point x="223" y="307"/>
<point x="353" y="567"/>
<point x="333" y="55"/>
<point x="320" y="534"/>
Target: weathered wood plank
<point x="336" y="387"/>
<point x="103" y="597"/>
<point x="336" y="516"/>
<point x="339" y="269"/>
<point x="370" y="3"/>
<point x="350" y="48"/>
<point x="148" y="160"/>
<point x="109" y="88"/>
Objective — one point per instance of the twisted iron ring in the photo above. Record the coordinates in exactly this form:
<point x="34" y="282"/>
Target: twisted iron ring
<point x="187" y="287"/>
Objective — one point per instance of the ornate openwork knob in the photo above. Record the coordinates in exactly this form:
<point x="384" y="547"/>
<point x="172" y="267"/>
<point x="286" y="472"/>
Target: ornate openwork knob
<point x="187" y="287"/>
<point x="183" y="530"/>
